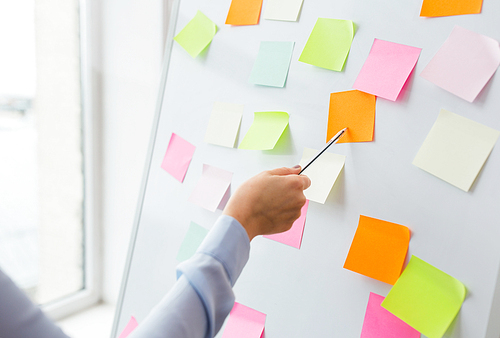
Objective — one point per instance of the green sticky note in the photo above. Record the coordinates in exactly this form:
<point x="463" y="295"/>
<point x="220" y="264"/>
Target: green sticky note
<point x="272" y="63"/>
<point x="425" y="298"/>
<point x="197" y="34"/>
<point x="195" y="235"/>
<point x="329" y="44"/>
<point x="265" y="131"/>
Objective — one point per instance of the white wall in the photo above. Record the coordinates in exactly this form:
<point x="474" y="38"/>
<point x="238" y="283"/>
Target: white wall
<point x="130" y="50"/>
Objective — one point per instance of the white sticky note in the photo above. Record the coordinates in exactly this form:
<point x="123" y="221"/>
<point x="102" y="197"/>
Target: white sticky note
<point x="323" y="173"/>
<point x="212" y="187"/>
<point x="224" y="124"/>
<point x="283" y="10"/>
<point x="455" y="149"/>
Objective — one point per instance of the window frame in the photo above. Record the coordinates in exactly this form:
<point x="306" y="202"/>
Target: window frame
<point x="90" y="294"/>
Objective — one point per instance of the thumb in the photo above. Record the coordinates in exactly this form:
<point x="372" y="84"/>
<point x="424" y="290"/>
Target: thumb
<point x="285" y="171"/>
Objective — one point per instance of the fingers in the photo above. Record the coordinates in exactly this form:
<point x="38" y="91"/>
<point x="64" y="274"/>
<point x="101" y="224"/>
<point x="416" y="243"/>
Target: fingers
<point x="285" y="171"/>
<point x="306" y="181"/>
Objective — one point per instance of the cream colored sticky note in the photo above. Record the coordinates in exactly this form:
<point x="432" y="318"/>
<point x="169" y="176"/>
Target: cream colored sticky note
<point x="224" y="124"/>
<point x="283" y="10"/>
<point x="455" y="149"/>
<point x="323" y="173"/>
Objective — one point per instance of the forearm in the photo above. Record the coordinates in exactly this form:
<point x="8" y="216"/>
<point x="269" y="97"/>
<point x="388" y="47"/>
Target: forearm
<point x="202" y="297"/>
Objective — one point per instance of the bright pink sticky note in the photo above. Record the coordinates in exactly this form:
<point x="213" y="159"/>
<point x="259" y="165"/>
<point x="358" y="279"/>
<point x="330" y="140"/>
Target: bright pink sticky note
<point x="212" y="187"/>
<point x="293" y="237"/>
<point x="244" y="322"/>
<point x="464" y="63"/>
<point x="387" y="69"/>
<point x="178" y="156"/>
<point x="380" y="323"/>
<point x="131" y="325"/>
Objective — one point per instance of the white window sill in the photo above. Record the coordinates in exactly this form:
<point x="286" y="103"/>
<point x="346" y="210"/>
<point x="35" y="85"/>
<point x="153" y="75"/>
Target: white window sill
<point x="95" y="322"/>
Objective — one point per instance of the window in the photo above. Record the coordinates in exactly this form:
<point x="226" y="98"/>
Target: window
<point x="46" y="240"/>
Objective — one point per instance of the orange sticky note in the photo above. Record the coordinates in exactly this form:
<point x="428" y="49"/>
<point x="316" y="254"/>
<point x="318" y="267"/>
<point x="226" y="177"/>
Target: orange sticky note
<point x="378" y="249"/>
<point x="244" y="12"/>
<point x="356" y="111"/>
<point x="450" y="7"/>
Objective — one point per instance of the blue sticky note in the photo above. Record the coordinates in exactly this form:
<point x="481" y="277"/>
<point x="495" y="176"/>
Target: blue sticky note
<point x="272" y="63"/>
<point x="195" y="235"/>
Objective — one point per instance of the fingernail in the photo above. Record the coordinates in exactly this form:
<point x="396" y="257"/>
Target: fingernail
<point x="296" y="166"/>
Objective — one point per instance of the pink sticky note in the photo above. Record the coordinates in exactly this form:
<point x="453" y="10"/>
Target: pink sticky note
<point x="464" y="63"/>
<point x="131" y="325"/>
<point x="293" y="237"/>
<point x="387" y="69"/>
<point x="178" y="156"/>
<point x="244" y="322"/>
<point x="380" y="323"/>
<point x="212" y="187"/>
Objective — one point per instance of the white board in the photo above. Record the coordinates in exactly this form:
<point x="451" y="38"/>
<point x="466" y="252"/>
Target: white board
<point x="306" y="292"/>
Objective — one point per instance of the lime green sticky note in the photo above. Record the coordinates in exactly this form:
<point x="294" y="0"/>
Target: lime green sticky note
<point x="197" y="34"/>
<point x="195" y="235"/>
<point x="329" y="44"/>
<point x="425" y="298"/>
<point x="265" y="131"/>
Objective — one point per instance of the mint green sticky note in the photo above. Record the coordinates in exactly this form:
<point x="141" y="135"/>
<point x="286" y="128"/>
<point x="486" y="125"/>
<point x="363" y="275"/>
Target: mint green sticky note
<point x="195" y="235"/>
<point x="425" y="298"/>
<point x="197" y="34"/>
<point x="272" y="63"/>
<point x="329" y="44"/>
<point x="265" y="131"/>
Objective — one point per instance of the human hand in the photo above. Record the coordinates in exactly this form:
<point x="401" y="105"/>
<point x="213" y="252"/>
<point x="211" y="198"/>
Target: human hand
<point x="269" y="202"/>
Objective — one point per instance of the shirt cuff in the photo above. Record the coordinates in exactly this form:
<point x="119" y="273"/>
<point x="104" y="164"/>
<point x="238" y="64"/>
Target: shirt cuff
<point x="228" y="242"/>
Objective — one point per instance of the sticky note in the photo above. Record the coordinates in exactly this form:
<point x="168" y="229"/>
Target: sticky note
<point x="455" y="149"/>
<point x="177" y="157"/>
<point x="273" y="61"/>
<point x="329" y="44"/>
<point x="378" y="249"/>
<point x="244" y="12"/>
<point x="265" y="131"/>
<point x="224" y="124"/>
<point x="433" y="8"/>
<point x="323" y="173"/>
<point x="425" y="298"/>
<point x="131" y="325"/>
<point x="293" y="237"/>
<point x="387" y="69"/>
<point x="194" y="236"/>
<point x="380" y="323"/>
<point x="356" y="111"/>
<point x="244" y="322"/>
<point x="464" y="63"/>
<point x="284" y="10"/>
<point x="212" y="187"/>
<point x="197" y="34"/>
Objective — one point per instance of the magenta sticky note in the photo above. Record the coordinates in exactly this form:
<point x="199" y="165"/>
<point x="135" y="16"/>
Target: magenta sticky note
<point x="244" y="322"/>
<point x="131" y="325"/>
<point x="177" y="157"/>
<point x="212" y="187"/>
<point x="380" y="323"/>
<point x="387" y="69"/>
<point x="464" y="63"/>
<point x="293" y="237"/>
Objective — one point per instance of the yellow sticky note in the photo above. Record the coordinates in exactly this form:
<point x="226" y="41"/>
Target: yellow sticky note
<point x="433" y="8"/>
<point x="455" y="149"/>
<point x="244" y="12"/>
<point x="265" y="131"/>
<point x="356" y="111"/>
<point x="323" y="173"/>
<point x="425" y="298"/>
<point x="329" y="44"/>
<point x="378" y="249"/>
<point x="197" y="34"/>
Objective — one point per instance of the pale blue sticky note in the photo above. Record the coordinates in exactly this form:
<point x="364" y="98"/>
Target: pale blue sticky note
<point x="273" y="61"/>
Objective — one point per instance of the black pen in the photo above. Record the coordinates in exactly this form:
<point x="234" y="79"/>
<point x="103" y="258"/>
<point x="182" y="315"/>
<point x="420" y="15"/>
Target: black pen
<point x="333" y="140"/>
